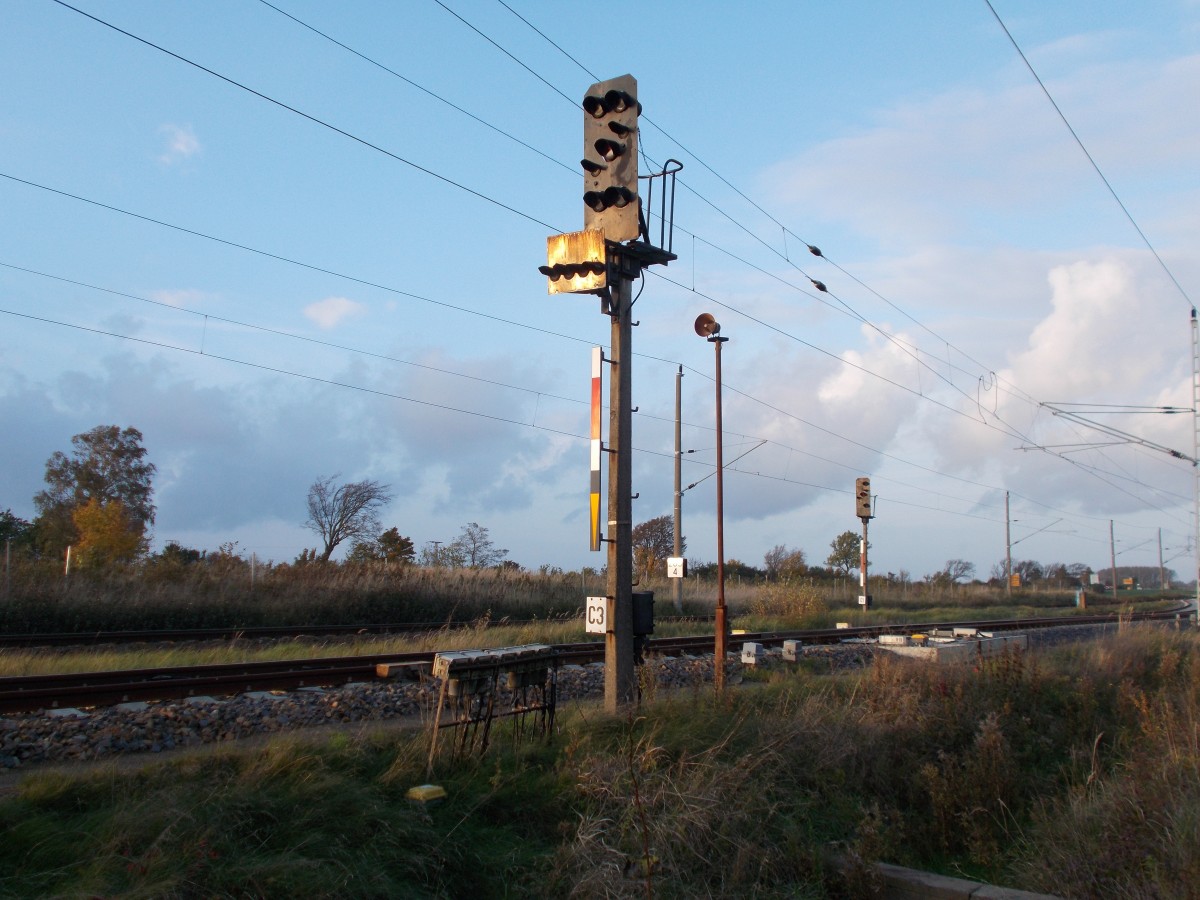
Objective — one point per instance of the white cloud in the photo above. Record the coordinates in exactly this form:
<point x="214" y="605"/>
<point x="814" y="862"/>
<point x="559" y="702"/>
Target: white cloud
<point x="181" y="144"/>
<point x="331" y="311"/>
<point x="973" y="160"/>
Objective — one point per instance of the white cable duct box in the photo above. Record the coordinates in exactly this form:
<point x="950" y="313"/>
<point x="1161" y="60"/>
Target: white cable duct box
<point x="792" y="650"/>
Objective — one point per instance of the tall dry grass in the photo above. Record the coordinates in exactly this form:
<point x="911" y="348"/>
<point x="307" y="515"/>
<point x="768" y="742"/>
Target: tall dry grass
<point x="1073" y="772"/>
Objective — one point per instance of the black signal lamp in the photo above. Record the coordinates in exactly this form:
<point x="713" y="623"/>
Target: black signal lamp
<point x="620" y="197"/>
<point x="596" y="107"/>
<point x="619" y="101"/>
<point x="609" y="150"/>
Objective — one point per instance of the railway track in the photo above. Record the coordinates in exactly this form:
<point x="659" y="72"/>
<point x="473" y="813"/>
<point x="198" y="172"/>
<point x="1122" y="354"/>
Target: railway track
<point x="28" y="693"/>
<point x="261" y="632"/>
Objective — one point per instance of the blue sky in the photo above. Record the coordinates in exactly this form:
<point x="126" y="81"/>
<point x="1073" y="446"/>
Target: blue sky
<point x="976" y="266"/>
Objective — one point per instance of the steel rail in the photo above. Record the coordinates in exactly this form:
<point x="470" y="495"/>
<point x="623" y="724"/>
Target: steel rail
<point x="29" y="693"/>
<point x="255" y="632"/>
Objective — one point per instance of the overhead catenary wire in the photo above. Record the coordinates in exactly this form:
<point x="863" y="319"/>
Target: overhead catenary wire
<point x="783" y="255"/>
<point x="537" y="391"/>
<point x="441" y="370"/>
<point x="279" y="257"/>
<point x="314" y="119"/>
<point x="457" y="184"/>
<point x="338" y="274"/>
<point x="333" y="382"/>
<point x="912" y="349"/>
<point x="1091" y="160"/>
<point x="542" y="223"/>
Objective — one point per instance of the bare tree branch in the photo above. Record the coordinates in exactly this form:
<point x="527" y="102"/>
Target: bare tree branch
<point x="339" y="512"/>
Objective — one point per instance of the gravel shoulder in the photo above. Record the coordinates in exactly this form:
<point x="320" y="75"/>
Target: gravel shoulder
<point x="128" y="736"/>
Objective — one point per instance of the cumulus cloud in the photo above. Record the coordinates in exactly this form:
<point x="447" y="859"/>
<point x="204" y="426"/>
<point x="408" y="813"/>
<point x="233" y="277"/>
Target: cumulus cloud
<point x="1101" y="343"/>
<point x="332" y="311"/>
<point x="181" y="144"/>
<point x="928" y="168"/>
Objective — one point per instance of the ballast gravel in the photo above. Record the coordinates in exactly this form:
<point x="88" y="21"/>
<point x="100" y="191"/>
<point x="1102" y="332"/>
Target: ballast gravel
<point x="105" y="732"/>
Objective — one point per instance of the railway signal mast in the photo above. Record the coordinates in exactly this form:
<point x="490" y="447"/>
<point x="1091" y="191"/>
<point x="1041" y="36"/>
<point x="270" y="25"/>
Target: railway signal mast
<point x="862" y="506"/>
<point x="605" y="259"/>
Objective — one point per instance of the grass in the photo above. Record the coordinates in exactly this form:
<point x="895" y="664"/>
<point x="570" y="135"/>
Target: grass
<point x="131" y="656"/>
<point x="225" y="592"/>
<point x="481" y="633"/>
<point x="1075" y="772"/>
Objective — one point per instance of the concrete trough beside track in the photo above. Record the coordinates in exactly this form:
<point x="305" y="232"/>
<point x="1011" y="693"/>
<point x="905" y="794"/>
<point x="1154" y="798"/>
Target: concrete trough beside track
<point x="956" y="649"/>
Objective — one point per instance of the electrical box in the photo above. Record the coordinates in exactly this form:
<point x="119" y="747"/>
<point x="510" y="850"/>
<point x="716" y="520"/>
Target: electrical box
<point x="643" y="612"/>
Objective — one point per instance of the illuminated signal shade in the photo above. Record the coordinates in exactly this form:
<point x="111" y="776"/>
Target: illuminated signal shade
<point x="610" y="164"/>
<point x="575" y="263"/>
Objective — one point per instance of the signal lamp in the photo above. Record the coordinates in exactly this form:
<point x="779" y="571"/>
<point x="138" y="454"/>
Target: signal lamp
<point x="619" y="197"/>
<point x="596" y="107"/>
<point x="592" y="167"/>
<point x="619" y="101"/>
<point x="609" y="150"/>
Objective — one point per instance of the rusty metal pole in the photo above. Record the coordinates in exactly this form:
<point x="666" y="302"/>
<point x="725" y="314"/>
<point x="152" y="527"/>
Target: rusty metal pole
<point x="721" y="626"/>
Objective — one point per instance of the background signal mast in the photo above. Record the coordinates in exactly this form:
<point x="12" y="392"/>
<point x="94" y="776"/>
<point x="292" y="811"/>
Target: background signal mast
<point x="862" y="507"/>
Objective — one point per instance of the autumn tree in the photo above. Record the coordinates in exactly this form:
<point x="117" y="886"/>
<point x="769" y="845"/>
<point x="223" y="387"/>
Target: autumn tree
<point x="781" y="563"/>
<point x="474" y="548"/>
<point x="653" y="543"/>
<point x="342" y="512"/>
<point x="107" y="464"/>
<point x="107" y="534"/>
<point x="391" y="546"/>
<point x="845" y="550"/>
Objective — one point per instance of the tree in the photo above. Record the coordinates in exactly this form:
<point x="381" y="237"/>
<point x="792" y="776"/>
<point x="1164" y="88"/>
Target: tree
<point x="107" y="534"/>
<point x="175" y="553"/>
<point x="845" y="550"/>
<point x="15" y="529"/>
<point x="653" y="543"/>
<point x="1030" y="570"/>
<point x="108" y="464"/>
<point x="337" y="513"/>
<point x="395" y="547"/>
<point x="474" y="548"/>
<point x="437" y="554"/>
<point x="390" y="546"/>
<point x="780" y="562"/>
<point x="957" y="569"/>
